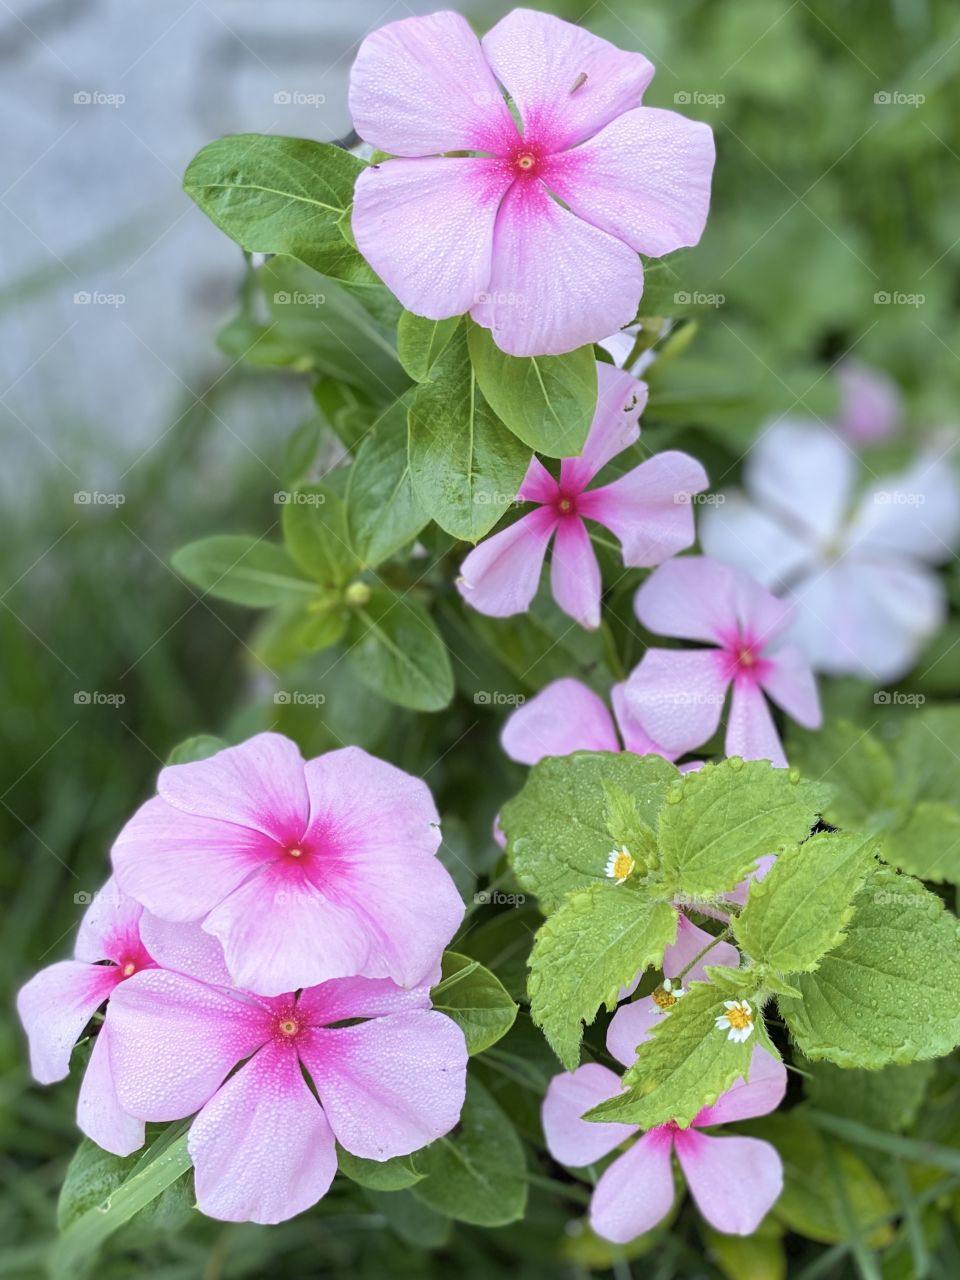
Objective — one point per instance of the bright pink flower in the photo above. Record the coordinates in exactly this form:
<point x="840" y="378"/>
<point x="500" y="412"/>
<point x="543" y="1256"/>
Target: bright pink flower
<point x="536" y="234"/>
<point x="678" y="694"/>
<point x="649" y="509"/>
<point x="733" y="1180"/>
<point x="303" y="871"/>
<point x="263" y="1148"/>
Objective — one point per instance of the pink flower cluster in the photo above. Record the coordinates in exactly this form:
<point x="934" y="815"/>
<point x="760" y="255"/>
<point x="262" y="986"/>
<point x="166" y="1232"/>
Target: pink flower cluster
<point x="259" y="903"/>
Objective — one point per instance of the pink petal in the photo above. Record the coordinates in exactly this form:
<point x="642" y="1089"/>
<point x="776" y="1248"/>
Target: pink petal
<point x="733" y="1180"/>
<point x="262" y="1149"/>
<point x="565" y="716"/>
<point x="871" y="406"/>
<point x="346" y="998"/>
<point x="174" y="1040"/>
<point x="575" y="573"/>
<point x="621" y="399"/>
<point x="538" y="484"/>
<point x="391" y="1085"/>
<point x="636" y="1191"/>
<point x="763" y="617"/>
<point x="690" y="941"/>
<point x="645" y="178"/>
<point x="55" y="1006"/>
<point x="99" y="1114"/>
<point x="567" y="83"/>
<point x="741" y="534"/>
<point x="739" y="894"/>
<point x="422" y="85"/>
<point x="751" y="732"/>
<point x="758" y="1096"/>
<point x="426" y="228"/>
<point x="788" y="680"/>
<point x="557" y="282"/>
<point x="634" y="735"/>
<point x="258" y="784"/>
<point x="629" y="1027"/>
<point x="570" y="1139"/>
<point x="500" y="576"/>
<point x="110" y="928"/>
<point x="185" y="948"/>
<point x="677" y="695"/>
<point x="690" y="599"/>
<point x="649" y="509"/>
<point x="179" y="866"/>
<point x="805" y="474"/>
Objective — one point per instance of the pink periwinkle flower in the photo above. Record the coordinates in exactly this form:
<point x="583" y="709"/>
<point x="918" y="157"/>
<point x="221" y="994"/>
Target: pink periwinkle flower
<point x="262" y="1145"/>
<point x="649" y="509"/>
<point x="678" y="694"/>
<point x="535" y="230"/>
<point x="871" y="407"/>
<point x="733" y="1180"/>
<point x="303" y="871"/>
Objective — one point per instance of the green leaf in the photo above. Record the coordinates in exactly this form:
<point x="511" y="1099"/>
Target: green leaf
<point x="477" y="1173"/>
<point x="410" y="1220"/>
<point x="315" y="533"/>
<point x="717" y="822"/>
<point x="891" y="991"/>
<point x="799" y="910"/>
<point x="421" y="342"/>
<point x="281" y="195"/>
<point x="466" y="466"/>
<point x="686" y="1064"/>
<point x="596" y="943"/>
<point x="383" y="512"/>
<point x="475" y="999"/>
<point x="396" y="650"/>
<point x="87" y="1220"/>
<point x="243" y="570"/>
<point x="323" y="624"/>
<point x="200" y="747"/>
<point x="856" y="764"/>
<point x="378" y="1175"/>
<point x="760" y="1256"/>
<point x="927" y="842"/>
<point x="557" y="832"/>
<point x="888" y="1099"/>
<point x="547" y="401"/>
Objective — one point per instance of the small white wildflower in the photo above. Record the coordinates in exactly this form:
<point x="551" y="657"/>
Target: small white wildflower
<point x="737" y="1021"/>
<point x="620" y="864"/>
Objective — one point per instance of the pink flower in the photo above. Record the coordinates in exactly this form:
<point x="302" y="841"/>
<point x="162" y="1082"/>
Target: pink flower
<point x="303" y="871"/>
<point x="535" y="233"/>
<point x="733" y="1180"/>
<point x="871" y="407"/>
<point x="262" y="1146"/>
<point x="648" y="509"/>
<point x="678" y="694"/>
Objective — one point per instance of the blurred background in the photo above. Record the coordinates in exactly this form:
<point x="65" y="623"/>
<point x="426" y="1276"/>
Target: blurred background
<point x="126" y="431"/>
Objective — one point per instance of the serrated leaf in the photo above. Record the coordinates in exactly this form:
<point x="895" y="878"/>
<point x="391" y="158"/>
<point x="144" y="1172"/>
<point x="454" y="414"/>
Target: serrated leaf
<point x="475" y="999"/>
<point x="243" y="570"/>
<point x="556" y="828"/>
<point x="596" y="943"/>
<point x="797" y="912"/>
<point x="397" y="651"/>
<point x="421" y="342"/>
<point x="718" y="821"/>
<point x="383" y="511"/>
<point x="548" y="402"/>
<point x="890" y="992"/>
<point x="315" y="533"/>
<point x="686" y="1064"/>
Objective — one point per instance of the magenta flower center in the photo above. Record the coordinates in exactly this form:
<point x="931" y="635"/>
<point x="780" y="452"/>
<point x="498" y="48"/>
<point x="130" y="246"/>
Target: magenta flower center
<point x="744" y="658"/>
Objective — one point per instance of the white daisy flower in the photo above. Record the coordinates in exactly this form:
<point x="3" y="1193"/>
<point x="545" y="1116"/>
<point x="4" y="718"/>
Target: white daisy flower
<point x="620" y="864"/>
<point x="737" y="1021"/>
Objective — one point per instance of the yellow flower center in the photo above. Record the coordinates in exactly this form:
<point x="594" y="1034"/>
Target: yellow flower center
<point x="295" y="853"/>
<point x="289" y="1027"/>
<point x="663" y="999"/>
<point x="129" y="969"/>
<point x="526" y="161"/>
<point x="739" y="1018"/>
<point x="623" y="864"/>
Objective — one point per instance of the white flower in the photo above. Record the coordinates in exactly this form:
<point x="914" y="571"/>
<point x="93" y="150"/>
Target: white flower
<point x="737" y="1021"/>
<point x="858" y="570"/>
<point x="619" y="864"/>
<point x="667" y="995"/>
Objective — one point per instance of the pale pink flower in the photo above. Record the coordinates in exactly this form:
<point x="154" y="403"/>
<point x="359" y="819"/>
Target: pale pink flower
<point x="263" y="1146"/>
<point x="734" y="1180"/>
<point x="302" y="871"/>
<point x="871" y="407"/>
<point x="536" y="231"/>
<point x="649" y="509"/>
<point x="678" y="694"/>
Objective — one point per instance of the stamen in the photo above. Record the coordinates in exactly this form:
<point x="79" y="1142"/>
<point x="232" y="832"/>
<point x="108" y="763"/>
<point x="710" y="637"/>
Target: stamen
<point x="289" y="1027"/>
<point x="526" y="161"/>
<point x="129" y="969"/>
<point x="295" y="853"/>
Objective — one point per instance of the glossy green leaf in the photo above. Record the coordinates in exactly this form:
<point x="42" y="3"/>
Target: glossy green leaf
<point x="396" y="650"/>
<point x="315" y="534"/>
<point x="421" y="342"/>
<point x="243" y="570"/>
<point x="475" y="999"/>
<point x="383" y="511"/>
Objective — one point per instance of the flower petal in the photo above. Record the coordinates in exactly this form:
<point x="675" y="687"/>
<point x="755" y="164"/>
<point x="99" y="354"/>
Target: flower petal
<point x="173" y="1041"/>
<point x="733" y="1180"/>
<point x="563" y="717"/>
<point x="805" y="473"/>
<point x="690" y="599"/>
<point x="751" y="732"/>
<point x="99" y="1114"/>
<point x="915" y="513"/>
<point x="566" y="82"/>
<point x="110" y="928"/>
<point x="575" y="573"/>
<point x="344" y="998"/>
<point x="262" y="1149"/>
<point x="621" y="399"/>
<point x="742" y="535"/>
<point x="391" y="1085"/>
<point x="426" y="227"/>
<point x="500" y="576"/>
<point x="570" y="1139"/>
<point x="557" y="282"/>
<point x="871" y="406"/>
<point x="758" y="1096"/>
<point x="55" y="1006"/>
<point x="422" y="85"/>
<point x="636" y="1191"/>
<point x="629" y="1027"/>
<point x="645" y="179"/>
<point x="788" y="680"/>
<point x="677" y="695"/>
<point x="185" y="948"/>
<point x="649" y="509"/>
<point x="538" y="484"/>
<point x="690" y="941"/>
<point x="634" y="735"/>
<point x="763" y="616"/>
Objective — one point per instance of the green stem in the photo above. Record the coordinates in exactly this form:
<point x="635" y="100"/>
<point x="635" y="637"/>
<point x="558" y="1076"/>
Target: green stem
<point x="721" y="937"/>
